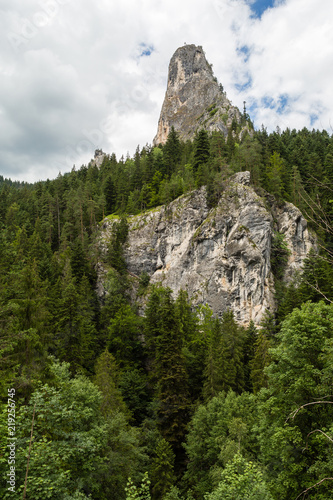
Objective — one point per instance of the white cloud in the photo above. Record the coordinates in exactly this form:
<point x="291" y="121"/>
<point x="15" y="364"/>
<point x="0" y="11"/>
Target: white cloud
<point x="74" y="76"/>
<point x="292" y="52"/>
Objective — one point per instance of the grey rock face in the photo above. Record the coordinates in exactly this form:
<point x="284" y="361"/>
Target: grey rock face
<point x="193" y="98"/>
<point x="98" y="158"/>
<point x="220" y="256"/>
<point x="292" y="224"/>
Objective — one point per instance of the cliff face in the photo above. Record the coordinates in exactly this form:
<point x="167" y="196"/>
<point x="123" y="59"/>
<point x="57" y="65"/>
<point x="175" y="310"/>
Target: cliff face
<point x="221" y="256"/>
<point x="193" y="99"/>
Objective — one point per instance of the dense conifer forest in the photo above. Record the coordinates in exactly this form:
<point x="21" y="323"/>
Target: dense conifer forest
<point x="176" y="404"/>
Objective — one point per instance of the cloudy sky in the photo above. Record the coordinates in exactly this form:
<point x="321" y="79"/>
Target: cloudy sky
<point x="76" y="76"/>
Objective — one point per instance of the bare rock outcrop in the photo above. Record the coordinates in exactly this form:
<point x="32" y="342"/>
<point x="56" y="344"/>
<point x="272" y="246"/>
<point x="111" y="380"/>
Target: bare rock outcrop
<point x="194" y="99"/>
<point x="221" y="256"/>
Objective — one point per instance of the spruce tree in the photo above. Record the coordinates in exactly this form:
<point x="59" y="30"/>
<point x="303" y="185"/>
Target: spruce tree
<point x="171" y="152"/>
<point x="74" y="326"/>
<point x="260" y="360"/>
<point x="115" y="248"/>
<point x="162" y="470"/>
<point x="232" y="369"/>
<point x="261" y="357"/>
<point x="164" y="341"/>
<point x="107" y="381"/>
<point x="201" y="149"/>
<point x="124" y="333"/>
<point x="213" y="381"/>
<point x="251" y="334"/>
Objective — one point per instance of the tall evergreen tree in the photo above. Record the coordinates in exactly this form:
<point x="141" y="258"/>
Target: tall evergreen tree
<point x="163" y="338"/>
<point x="201" y="149"/>
<point x="74" y="329"/>
<point x="162" y="470"/>
<point x="224" y="364"/>
<point x="213" y="379"/>
<point x="171" y="152"/>
<point x="250" y="338"/>
<point x="107" y="380"/>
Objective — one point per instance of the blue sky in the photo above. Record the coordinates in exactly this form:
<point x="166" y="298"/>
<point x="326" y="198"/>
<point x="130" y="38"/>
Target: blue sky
<point x="77" y="76"/>
<point x="258" y="7"/>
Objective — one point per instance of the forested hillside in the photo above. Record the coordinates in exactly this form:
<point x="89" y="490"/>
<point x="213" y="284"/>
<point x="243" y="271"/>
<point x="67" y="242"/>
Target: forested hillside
<point x="176" y="404"/>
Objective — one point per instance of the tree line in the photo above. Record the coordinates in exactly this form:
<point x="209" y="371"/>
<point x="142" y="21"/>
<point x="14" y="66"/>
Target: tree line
<point x="176" y="404"/>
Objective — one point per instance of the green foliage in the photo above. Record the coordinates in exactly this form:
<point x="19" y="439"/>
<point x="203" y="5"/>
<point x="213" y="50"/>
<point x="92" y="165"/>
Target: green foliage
<point x="248" y="156"/>
<point x="316" y="281"/>
<point x="279" y="254"/>
<point x="162" y="470"/>
<point x="74" y="329"/>
<point x="124" y="337"/>
<point x="259" y="362"/>
<point x="110" y="195"/>
<point x="162" y="335"/>
<point x="173" y="494"/>
<point x="250" y="337"/>
<point x="136" y="394"/>
<point x="107" y="381"/>
<point x="202" y="149"/>
<point x="241" y="480"/>
<point x="300" y="373"/>
<point x="67" y="438"/>
<point x="224" y="362"/>
<point x="141" y="493"/>
<point x="116" y="296"/>
<point x="144" y="280"/>
<point x="275" y="176"/>
<point x="171" y="152"/>
<point x="122" y="457"/>
<point x="158" y="369"/>
<point x="217" y="431"/>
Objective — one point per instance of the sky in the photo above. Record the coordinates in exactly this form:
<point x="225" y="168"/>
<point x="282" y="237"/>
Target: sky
<point x="77" y="76"/>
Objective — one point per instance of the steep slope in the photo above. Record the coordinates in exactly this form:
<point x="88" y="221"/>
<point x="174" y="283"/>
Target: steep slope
<point x="194" y="99"/>
<point x="221" y="256"/>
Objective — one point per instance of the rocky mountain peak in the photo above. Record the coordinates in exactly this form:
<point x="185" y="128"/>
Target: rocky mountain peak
<point x="188" y="62"/>
<point x="194" y="99"/>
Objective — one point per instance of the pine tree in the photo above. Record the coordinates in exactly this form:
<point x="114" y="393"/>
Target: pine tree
<point x="24" y="332"/>
<point x="249" y="350"/>
<point x="316" y="281"/>
<point x="213" y="381"/>
<point x="230" y="144"/>
<point x="124" y="337"/>
<point x="224" y="368"/>
<point x="299" y="375"/>
<point x="276" y="176"/>
<point x="79" y="261"/>
<point x="171" y="152"/>
<point x="260" y="360"/>
<point x="261" y="357"/>
<point x="201" y="149"/>
<point x="187" y="320"/>
<point x="232" y="369"/>
<point x="164" y="342"/>
<point x="162" y="470"/>
<point x="107" y="380"/>
<point x="74" y="328"/>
